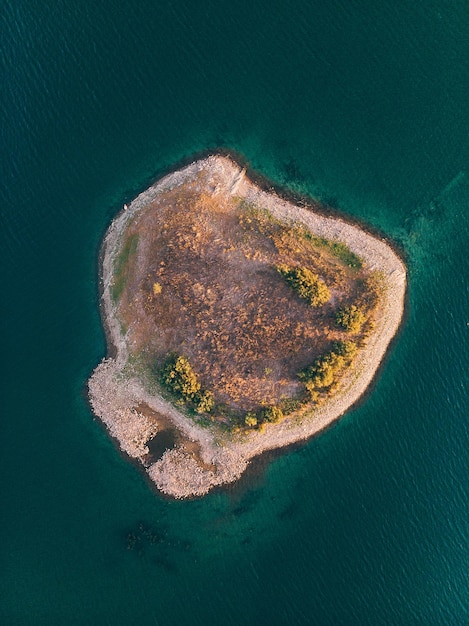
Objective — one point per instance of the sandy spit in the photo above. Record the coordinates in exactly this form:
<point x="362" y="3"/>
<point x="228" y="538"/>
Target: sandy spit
<point x="115" y="397"/>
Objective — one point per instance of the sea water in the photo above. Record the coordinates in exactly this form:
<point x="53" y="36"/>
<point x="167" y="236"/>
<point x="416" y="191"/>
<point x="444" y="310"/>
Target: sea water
<point x="361" y="104"/>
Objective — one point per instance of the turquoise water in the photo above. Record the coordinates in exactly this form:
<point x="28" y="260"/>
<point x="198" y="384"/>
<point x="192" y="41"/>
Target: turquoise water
<point x="363" y="104"/>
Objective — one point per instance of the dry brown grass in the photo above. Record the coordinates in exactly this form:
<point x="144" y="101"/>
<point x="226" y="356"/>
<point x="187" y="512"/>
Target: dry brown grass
<point x="220" y="301"/>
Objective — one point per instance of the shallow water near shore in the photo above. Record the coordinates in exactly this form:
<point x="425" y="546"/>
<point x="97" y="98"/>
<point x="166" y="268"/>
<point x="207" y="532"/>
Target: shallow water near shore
<point x="361" y="104"/>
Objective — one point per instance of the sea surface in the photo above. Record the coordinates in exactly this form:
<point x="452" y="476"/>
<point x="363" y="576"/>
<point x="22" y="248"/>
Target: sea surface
<point x="361" y="103"/>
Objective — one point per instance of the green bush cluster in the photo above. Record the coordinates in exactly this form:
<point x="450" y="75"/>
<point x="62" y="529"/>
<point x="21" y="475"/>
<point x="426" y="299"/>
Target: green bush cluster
<point x="306" y="284"/>
<point x="271" y="414"/>
<point x="322" y="373"/>
<point x="317" y="378"/>
<point x="178" y="376"/>
<point x="250" y="419"/>
<point x="347" y="349"/>
<point x="204" y="401"/>
<point x="290" y="405"/>
<point x="350" y="318"/>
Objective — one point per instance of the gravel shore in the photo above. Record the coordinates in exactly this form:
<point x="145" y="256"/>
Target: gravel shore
<point x="115" y="398"/>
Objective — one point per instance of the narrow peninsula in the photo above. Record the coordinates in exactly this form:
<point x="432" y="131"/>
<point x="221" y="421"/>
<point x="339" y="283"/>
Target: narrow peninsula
<point x="237" y="322"/>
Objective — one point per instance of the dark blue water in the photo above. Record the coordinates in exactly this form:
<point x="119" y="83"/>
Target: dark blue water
<point x="363" y="104"/>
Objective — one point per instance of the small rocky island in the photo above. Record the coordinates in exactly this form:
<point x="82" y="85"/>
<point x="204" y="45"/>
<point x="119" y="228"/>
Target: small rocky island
<point x="237" y="322"/>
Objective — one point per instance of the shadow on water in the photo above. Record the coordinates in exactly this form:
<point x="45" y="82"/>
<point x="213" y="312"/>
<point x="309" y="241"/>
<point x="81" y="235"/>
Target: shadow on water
<point x="154" y="541"/>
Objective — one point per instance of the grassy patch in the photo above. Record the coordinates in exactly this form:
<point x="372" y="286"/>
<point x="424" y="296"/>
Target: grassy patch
<point x="265" y="220"/>
<point x="336" y="248"/>
<point x="121" y="268"/>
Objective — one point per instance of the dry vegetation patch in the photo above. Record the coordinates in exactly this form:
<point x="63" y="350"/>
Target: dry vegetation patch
<point x="197" y="275"/>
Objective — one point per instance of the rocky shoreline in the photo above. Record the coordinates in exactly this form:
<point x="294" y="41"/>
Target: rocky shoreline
<point x="116" y="398"/>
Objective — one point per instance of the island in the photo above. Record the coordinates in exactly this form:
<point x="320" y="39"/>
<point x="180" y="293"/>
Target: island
<point x="237" y="321"/>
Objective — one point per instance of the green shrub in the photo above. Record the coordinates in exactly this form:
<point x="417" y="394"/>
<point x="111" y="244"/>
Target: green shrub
<point x="250" y="419"/>
<point x="290" y="405"/>
<point x="350" y="318"/>
<point x="346" y="349"/>
<point x="313" y="394"/>
<point x="272" y="414"/>
<point x="179" y="377"/>
<point x="204" y="401"/>
<point x="321" y="373"/>
<point x="306" y="284"/>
